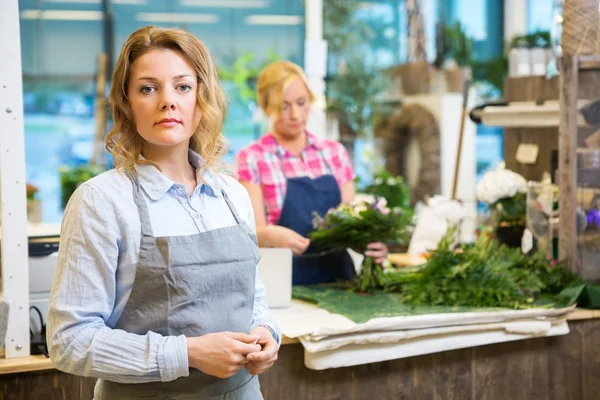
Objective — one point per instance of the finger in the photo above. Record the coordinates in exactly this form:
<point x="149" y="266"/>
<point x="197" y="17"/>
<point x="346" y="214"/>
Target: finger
<point x="305" y="246"/>
<point x="252" y="368"/>
<point x="380" y="260"/>
<point x="260" y="368"/>
<point x="245" y="348"/>
<point x="300" y="247"/>
<point x="242" y="337"/>
<point x="296" y="250"/>
<point x="376" y="246"/>
<point x="268" y="352"/>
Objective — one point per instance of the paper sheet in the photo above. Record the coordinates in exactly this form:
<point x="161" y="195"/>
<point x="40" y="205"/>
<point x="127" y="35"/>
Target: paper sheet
<point x="358" y="354"/>
<point x="302" y="319"/>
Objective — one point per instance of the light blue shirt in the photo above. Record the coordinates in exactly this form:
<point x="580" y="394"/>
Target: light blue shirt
<point x="98" y="253"/>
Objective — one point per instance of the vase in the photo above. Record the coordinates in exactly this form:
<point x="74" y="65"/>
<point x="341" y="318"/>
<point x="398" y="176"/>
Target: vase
<point x="510" y="235"/>
<point x="456" y="79"/>
<point x="34" y="211"/>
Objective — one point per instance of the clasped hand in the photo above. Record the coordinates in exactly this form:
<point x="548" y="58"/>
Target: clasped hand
<point x="223" y="354"/>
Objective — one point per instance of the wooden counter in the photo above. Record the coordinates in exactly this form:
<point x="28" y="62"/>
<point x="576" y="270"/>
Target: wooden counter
<point x="561" y="367"/>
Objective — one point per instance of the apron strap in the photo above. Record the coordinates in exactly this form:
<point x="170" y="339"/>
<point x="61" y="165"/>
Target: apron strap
<point x="141" y="206"/>
<point x="232" y="208"/>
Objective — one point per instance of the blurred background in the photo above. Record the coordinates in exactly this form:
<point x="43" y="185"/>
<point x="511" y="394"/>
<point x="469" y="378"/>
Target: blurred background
<point x="61" y="41"/>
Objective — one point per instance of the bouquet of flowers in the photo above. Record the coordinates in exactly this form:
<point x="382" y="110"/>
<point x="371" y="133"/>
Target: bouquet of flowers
<point x="504" y="192"/>
<point x="355" y="225"/>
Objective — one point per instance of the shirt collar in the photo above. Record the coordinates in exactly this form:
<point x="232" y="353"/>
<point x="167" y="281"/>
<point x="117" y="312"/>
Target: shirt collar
<point x="270" y="144"/>
<point x="156" y="184"/>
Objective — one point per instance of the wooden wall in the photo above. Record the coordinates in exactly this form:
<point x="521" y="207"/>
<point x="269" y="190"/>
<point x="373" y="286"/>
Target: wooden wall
<point x="558" y="368"/>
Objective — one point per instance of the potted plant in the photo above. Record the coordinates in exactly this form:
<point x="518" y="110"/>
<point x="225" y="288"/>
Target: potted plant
<point x="72" y="177"/>
<point x="34" y="204"/>
<point x="459" y="56"/>
<point x="349" y="96"/>
<point x="505" y="194"/>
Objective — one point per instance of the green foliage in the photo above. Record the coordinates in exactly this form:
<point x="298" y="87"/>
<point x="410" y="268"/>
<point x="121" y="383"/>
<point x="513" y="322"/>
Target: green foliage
<point x="492" y="71"/>
<point x="392" y="188"/>
<point x="72" y="177"/>
<point x="535" y="39"/>
<point x="340" y="29"/>
<point x="458" y="45"/>
<point x="244" y="72"/>
<point x="352" y="91"/>
<point x="355" y="227"/>
<point x="511" y="210"/>
<point x="341" y="229"/>
<point x="484" y="274"/>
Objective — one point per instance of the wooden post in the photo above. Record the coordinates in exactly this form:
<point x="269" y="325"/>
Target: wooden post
<point x="461" y="132"/>
<point x="567" y="161"/>
<point x="415" y="31"/>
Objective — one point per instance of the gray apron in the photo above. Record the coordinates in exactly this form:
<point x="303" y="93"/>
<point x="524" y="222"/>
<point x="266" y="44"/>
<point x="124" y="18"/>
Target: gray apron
<point x="191" y="285"/>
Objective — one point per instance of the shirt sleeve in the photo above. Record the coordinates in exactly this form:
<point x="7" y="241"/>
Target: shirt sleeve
<point x="347" y="172"/>
<point x="82" y="300"/>
<point x="260" y="313"/>
<point x="246" y="164"/>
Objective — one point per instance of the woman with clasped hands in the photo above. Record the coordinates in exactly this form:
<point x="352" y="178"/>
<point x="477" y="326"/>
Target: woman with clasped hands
<point x="156" y="291"/>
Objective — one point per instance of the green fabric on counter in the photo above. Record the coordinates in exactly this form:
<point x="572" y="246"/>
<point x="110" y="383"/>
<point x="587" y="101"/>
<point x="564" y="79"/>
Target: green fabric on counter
<point x="362" y="307"/>
<point x="587" y="295"/>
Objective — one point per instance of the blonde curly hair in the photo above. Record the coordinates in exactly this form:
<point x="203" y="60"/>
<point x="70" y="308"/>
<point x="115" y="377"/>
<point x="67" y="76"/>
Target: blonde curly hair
<point x="273" y="81"/>
<point x="123" y="141"/>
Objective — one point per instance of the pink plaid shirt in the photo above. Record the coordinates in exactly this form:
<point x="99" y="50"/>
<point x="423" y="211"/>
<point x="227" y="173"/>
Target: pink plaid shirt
<point x="260" y="163"/>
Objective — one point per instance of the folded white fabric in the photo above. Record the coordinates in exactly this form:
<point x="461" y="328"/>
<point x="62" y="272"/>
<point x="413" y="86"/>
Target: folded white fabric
<point x="304" y="319"/>
<point x="357" y="354"/>
<point x="532" y="327"/>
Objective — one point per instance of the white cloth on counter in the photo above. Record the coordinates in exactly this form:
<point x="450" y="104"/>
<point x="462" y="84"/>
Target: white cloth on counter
<point x="531" y="327"/>
<point x="333" y="340"/>
<point x="302" y="319"/>
<point x="358" y="354"/>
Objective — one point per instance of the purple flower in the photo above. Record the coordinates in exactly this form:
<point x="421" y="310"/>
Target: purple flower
<point x="593" y="217"/>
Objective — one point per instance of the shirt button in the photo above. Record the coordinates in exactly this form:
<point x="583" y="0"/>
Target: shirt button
<point x="197" y="215"/>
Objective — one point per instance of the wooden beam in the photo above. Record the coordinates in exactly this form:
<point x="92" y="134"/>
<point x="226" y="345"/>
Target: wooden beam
<point x="567" y="161"/>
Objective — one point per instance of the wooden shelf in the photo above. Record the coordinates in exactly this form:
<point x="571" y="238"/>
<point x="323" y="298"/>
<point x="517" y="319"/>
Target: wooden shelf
<point x="586" y="62"/>
<point x="526" y="115"/>
<point x="25" y="364"/>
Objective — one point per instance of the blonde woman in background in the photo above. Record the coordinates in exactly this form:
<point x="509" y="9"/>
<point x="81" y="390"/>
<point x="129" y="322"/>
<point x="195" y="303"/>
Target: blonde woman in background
<point x="290" y="173"/>
<point x="156" y="289"/>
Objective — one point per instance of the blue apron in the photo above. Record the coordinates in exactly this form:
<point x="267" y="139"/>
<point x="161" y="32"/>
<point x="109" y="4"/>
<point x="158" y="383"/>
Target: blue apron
<point x="304" y="196"/>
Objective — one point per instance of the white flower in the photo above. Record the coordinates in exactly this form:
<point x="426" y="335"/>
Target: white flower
<point x="391" y="181"/>
<point x="500" y="183"/>
<point x="359" y="209"/>
<point x="451" y="210"/>
<point x="360" y="198"/>
<point x="378" y="181"/>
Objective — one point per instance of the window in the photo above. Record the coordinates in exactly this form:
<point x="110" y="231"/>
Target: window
<point x="540" y="15"/>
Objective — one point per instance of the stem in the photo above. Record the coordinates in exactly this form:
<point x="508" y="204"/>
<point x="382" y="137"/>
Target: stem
<point x="372" y="277"/>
